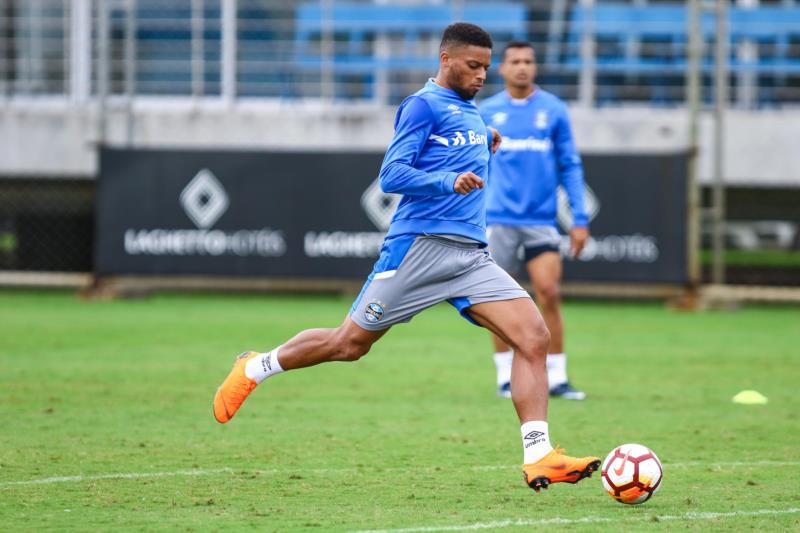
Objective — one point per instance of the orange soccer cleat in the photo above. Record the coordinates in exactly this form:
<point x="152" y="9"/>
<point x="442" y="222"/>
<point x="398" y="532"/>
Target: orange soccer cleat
<point x="555" y="467"/>
<point x="234" y="390"/>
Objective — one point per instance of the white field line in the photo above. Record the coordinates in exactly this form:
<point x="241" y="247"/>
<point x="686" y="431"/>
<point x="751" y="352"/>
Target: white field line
<point x="500" y="524"/>
<point x="322" y="471"/>
<point x="121" y="475"/>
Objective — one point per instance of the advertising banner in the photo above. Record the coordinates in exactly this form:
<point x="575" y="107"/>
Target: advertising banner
<point x="323" y="215"/>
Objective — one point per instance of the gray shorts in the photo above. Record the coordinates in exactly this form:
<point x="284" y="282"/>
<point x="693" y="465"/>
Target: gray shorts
<point x="415" y="272"/>
<point x="513" y="246"/>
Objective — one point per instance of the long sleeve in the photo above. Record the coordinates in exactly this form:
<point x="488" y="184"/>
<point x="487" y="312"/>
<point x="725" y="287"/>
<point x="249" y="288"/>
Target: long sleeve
<point x="570" y="169"/>
<point x="413" y="127"/>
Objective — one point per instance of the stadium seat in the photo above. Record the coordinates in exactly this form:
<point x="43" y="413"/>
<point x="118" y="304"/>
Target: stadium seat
<point x="650" y="41"/>
<point x="413" y="31"/>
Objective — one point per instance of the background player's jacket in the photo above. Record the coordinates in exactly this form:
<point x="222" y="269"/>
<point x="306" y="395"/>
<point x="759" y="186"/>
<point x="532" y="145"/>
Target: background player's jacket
<point x="438" y="135"/>
<point x="537" y="153"/>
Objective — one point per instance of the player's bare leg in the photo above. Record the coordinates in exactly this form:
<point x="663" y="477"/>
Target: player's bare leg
<point x="519" y="324"/>
<point x="545" y="273"/>
<point x="348" y="342"/>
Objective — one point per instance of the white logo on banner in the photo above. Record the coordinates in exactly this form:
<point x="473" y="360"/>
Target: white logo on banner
<point x="379" y="208"/>
<point x="204" y="199"/>
<point x="590" y="202"/>
<point x="636" y="248"/>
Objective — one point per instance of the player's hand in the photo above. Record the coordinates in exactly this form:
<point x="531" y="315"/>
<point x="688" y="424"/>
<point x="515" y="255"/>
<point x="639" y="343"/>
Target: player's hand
<point x="467" y="182"/>
<point x="496" y="140"/>
<point x="578" y="238"/>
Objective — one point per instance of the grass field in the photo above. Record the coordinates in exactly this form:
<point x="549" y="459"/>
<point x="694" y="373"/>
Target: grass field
<point x="105" y="410"/>
<point x="756" y="258"/>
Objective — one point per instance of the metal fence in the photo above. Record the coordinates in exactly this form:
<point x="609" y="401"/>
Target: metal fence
<point x="590" y="52"/>
<point x="46" y="225"/>
<point x="596" y="52"/>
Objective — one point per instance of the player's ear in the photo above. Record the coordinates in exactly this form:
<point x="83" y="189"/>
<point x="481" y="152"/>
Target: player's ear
<point x="444" y="59"/>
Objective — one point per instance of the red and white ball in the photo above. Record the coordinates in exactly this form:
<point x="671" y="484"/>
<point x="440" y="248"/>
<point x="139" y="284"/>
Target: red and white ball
<point x="632" y="473"/>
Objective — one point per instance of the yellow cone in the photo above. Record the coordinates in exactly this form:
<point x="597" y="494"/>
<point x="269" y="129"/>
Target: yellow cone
<point x="750" y="397"/>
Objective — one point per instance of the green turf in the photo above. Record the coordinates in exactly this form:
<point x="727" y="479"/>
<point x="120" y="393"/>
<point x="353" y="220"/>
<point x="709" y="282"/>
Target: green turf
<point x="412" y="436"/>
<point x="756" y="258"/>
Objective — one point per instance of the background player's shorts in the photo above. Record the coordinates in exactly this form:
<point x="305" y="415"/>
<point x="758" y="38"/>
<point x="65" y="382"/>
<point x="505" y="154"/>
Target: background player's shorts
<point x="513" y="246"/>
<point x="415" y="272"/>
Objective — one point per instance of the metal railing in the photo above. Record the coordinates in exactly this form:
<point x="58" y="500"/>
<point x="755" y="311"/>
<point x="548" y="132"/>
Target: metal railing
<point x="379" y="51"/>
<point x="88" y="51"/>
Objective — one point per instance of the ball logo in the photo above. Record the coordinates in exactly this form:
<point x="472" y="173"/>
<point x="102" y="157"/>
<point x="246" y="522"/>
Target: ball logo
<point x="619" y="470"/>
<point x="374" y="312"/>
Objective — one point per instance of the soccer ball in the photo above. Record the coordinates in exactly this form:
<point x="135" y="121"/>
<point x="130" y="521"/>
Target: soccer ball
<point x="632" y="473"/>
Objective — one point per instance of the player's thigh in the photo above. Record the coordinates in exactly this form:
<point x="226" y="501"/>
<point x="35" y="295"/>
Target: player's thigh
<point x="517" y="322"/>
<point x="396" y="296"/>
<point x="545" y="271"/>
<point x="504" y="244"/>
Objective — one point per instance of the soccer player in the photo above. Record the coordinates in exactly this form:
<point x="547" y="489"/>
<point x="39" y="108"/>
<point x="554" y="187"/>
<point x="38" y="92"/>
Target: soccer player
<point x="537" y="154"/>
<point x="435" y="251"/>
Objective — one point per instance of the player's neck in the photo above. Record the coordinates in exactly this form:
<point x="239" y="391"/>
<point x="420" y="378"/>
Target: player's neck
<point x="439" y="80"/>
<point x="520" y="93"/>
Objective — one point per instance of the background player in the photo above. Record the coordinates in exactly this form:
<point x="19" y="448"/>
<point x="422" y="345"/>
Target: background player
<point x="435" y="251"/>
<point x="538" y="154"/>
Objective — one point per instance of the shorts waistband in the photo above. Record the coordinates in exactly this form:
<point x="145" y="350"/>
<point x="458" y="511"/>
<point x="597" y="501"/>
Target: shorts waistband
<point x="441" y="239"/>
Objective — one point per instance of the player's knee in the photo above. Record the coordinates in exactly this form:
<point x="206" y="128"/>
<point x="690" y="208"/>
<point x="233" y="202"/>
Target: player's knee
<point x="355" y="351"/>
<point x="549" y="294"/>
<point x="533" y="344"/>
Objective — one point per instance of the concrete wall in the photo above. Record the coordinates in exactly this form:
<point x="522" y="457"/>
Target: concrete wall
<point x="57" y="138"/>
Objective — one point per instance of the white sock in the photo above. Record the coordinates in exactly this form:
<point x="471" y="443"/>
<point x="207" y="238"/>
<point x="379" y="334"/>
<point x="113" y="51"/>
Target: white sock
<point x="263" y="366"/>
<point x="556" y="369"/>
<point x="535" y="441"/>
<point x="502" y="361"/>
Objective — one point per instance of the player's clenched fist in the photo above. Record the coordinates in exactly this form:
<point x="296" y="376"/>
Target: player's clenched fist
<point x="467" y="182"/>
<point x="496" y="140"/>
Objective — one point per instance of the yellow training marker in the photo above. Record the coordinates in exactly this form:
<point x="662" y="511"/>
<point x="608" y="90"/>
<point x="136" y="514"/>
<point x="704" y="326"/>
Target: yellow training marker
<point x="750" y="397"/>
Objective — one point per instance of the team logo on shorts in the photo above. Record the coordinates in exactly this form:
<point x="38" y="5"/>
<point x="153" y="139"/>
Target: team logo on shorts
<point x="373" y="312"/>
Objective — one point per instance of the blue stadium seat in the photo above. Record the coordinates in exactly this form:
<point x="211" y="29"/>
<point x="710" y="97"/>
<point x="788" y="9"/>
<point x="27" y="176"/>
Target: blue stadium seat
<point x="163" y="48"/>
<point x="356" y="25"/>
<point x="773" y="26"/>
<point x="650" y="41"/>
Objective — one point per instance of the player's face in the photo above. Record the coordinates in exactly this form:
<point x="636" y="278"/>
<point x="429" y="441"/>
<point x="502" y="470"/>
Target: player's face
<point x="519" y="67"/>
<point x="465" y="68"/>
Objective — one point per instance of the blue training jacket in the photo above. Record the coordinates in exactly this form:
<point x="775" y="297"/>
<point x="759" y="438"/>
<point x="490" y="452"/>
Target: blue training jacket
<point x="438" y="135"/>
<point x="536" y="155"/>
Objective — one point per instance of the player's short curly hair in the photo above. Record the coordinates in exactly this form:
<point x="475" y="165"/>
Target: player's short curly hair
<point x="462" y="33"/>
